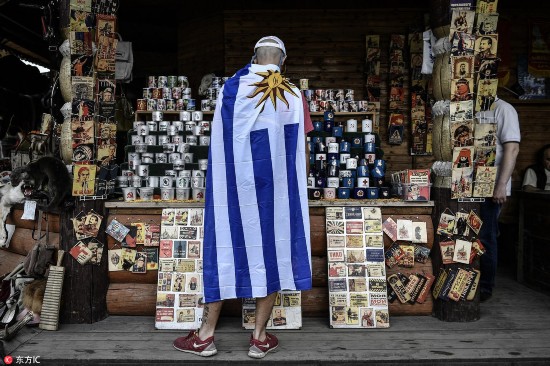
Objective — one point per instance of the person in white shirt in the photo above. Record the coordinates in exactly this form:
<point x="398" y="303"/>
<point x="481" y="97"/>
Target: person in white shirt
<point x="508" y="139"/>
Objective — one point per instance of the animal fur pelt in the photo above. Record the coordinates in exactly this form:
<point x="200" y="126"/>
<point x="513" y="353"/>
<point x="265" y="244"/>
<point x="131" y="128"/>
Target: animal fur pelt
<point x="45" y="179"/>
<point x="9" y="196"/>
<point x="33" y="295"/>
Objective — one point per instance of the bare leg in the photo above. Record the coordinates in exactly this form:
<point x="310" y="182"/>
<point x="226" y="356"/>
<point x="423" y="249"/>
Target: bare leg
<point x="210" y="317"/>
<point x="264" y="306"/>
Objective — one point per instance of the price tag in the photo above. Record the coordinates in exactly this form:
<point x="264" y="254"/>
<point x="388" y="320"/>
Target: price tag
<point x="29" y="210"/>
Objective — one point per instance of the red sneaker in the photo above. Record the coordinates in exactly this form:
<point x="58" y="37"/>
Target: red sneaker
<point x="259" y="349"/>
<point x="193" y="344"/>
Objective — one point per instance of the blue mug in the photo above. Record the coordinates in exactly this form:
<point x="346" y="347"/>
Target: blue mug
<point x="360" y="193"/>
<point x="369" y="148"/>
<point x="363" y="171"/>
<point x="343" y="193"/>
<point x="337" y="131"/>
<point x="345" y="147"/>
<point x="318" y="126"/>
<point x="372" y="192"/>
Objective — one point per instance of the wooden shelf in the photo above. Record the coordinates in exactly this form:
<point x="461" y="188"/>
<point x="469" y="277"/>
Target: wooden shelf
<point x="174" y="112"/>
<point x="343" y="113"/>
<point x="312" y="203"/>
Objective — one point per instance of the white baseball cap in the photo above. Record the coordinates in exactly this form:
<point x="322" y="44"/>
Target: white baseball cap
<point x="270" y="41"/>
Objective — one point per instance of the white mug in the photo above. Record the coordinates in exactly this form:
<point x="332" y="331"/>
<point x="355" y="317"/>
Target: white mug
<point x="198" y="194"/>
<point x="183" y="193"/>
<point x="178" y="164"/>
<point x="351" y="125"/>
<point x="129" y="194"/>
<point x="183" y="182"/>
<point x="137" y="139"/>
<point x="167" y="194"/>
<point x="146" y="193"/>
<point x="174" y="156"/>
<point x="163" y="139"/>
<point x="197" y="182"/>
<point x="166" y="181"/>
<point x="163" y="125"/>
<point x="203" y="164"/>
<point x="157" y="116"/>
<point x="333" y="182"/>
<point x="142" y="170"/>
<point x="150" y="140"/>
<point x="188" y="158"/>
<point x="366" y="125"/>
<point x="153" y="181"/>
<point x="351" y="163"/>
<point x="185" y="173"/>
<point x="143" y="130"/>
<point x="197" y="116"/>
<point x="185" y="116"/>
<point x="135" y="181"/>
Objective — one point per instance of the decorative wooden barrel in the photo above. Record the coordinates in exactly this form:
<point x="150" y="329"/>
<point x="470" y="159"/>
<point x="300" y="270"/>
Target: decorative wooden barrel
<point x="443" y="31"/>
<point x="442" y="148"/>
<point x="66" y="143"/>
<point x="436" y="74"/>
<point x="445" y="76"/>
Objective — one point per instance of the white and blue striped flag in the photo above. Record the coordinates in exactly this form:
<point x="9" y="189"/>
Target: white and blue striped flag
<point x="256" y="235"/>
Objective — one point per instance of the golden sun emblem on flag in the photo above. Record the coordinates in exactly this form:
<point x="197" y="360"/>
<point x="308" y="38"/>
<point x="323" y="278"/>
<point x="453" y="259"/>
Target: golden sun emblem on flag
<point x="273" y="85"/>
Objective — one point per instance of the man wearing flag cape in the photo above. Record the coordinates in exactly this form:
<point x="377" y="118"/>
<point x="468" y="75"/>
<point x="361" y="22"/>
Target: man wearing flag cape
<point x="256" y="232"/>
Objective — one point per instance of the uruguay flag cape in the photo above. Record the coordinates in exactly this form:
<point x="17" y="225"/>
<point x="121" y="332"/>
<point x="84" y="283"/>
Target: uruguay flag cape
<point x="256" y="233"/>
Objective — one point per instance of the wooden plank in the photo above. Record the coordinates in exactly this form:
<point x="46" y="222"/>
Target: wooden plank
<point x="130" y="277"/>
<point x="131" y="299"/>
<point x="23" y="240"/>
<point x="85" y="286"/>
<point x="9" y="260"/>
<point x="140" y="299"/>
<point x="15" y="219"/>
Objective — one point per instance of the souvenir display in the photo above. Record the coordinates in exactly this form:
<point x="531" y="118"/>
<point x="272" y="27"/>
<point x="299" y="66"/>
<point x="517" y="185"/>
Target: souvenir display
<point x="179" y="289"/>
<point x="286" y="313"/>
<point x="458" y="245"/>
<point x="357" y="282"/>
<point x="473" y="73"/>
<point x="93" y="96"/>
<point x="346" y="164"/>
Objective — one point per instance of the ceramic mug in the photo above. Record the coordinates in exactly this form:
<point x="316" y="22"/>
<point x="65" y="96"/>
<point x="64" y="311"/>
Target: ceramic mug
<point x="166" y="181"/>
<point x="146" y="193"/>
<point x="129" y="194"/>
<point x="183" y="193"/>
<point x="167" y="194"/>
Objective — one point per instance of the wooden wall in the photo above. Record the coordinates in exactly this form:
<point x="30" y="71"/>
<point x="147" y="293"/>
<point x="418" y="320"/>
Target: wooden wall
<point x="24" y="238"/>
<point x="200" y="48"/>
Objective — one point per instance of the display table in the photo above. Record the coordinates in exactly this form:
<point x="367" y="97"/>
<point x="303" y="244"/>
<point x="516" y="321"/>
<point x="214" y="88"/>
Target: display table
<point x="135" y="294"/>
